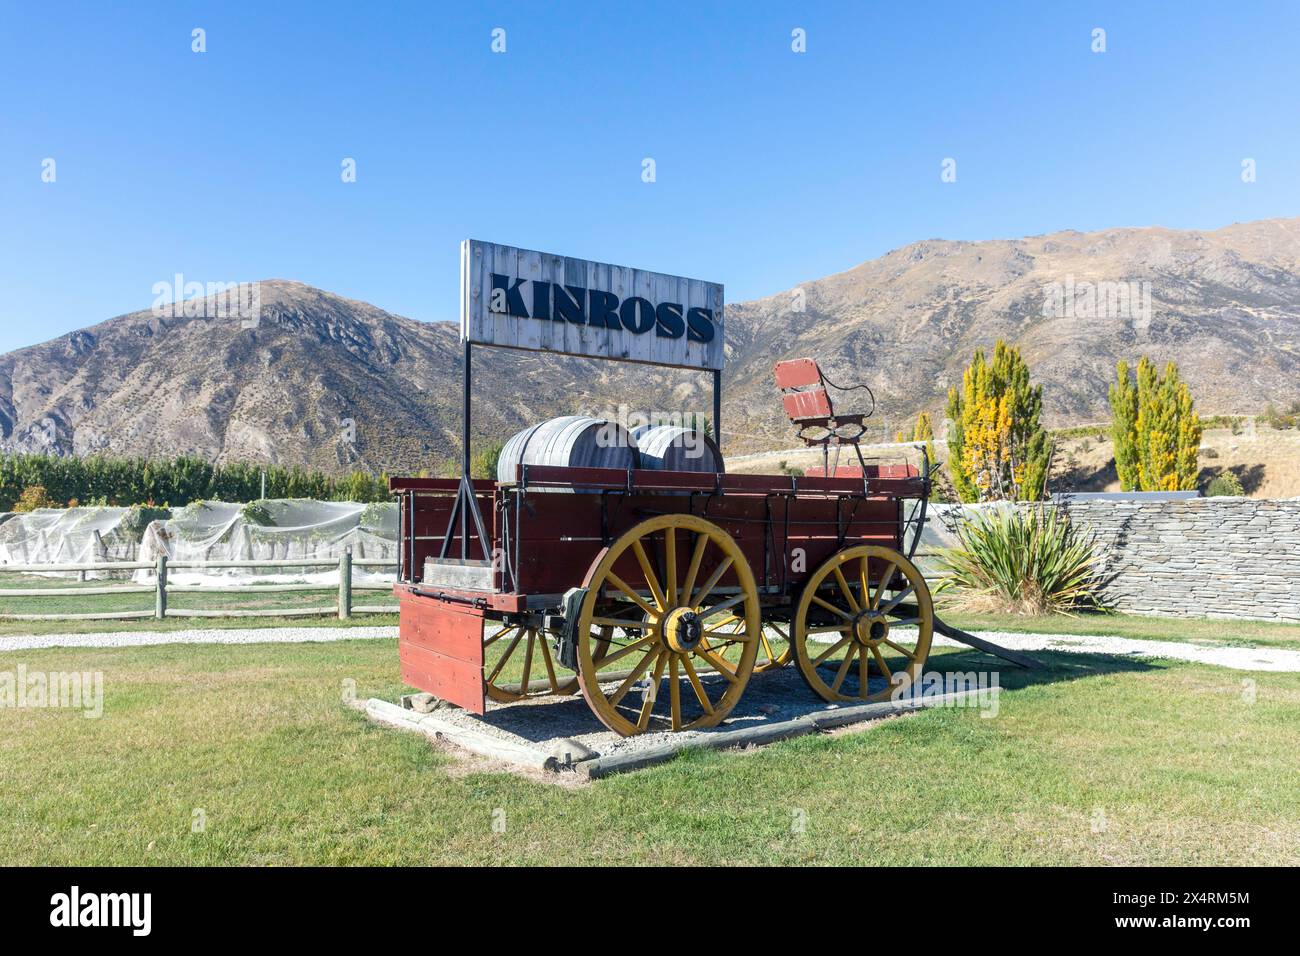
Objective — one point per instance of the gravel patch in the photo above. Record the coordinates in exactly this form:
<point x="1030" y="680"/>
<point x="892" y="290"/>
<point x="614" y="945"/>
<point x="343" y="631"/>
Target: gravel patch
<point x="236" y="635"/>
<point x="542" y="722"/>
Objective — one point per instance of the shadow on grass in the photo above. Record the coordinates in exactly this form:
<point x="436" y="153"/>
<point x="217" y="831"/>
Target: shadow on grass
<point x="776" y="696"/>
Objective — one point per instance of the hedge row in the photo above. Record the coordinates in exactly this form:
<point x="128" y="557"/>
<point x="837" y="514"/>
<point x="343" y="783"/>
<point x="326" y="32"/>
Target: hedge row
<point x="175" y="481"/>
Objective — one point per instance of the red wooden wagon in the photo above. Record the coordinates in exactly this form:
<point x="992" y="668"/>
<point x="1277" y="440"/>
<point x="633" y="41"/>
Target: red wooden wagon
<point x="657" y="594"/>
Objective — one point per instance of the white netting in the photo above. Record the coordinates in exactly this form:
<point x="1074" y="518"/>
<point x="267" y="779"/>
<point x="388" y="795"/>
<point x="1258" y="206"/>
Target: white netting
<point x="70" y="536"/>
<point x="208" y="531"/>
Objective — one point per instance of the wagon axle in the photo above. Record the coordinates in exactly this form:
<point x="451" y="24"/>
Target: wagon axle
<point x="683" y="629"/>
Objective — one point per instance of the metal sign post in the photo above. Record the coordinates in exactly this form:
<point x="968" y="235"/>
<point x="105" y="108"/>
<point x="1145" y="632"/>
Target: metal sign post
<point x="522" y="299"/>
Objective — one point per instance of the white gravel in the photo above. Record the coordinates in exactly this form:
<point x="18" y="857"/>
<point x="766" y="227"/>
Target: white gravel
<point x="235" y="635"/>
<point x="1237" y="658"/>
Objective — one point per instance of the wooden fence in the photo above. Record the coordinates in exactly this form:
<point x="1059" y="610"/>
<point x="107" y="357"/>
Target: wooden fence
<point x="161" y="589"/>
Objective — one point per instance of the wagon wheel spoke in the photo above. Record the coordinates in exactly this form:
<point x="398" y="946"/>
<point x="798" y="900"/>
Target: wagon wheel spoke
<point x="712" y="581"/>
<point x="633" y="676"/>
<point x="718" y="664"/>
<point x="723" y="606"/>
<point x="911" y="655"/>
<point x="694" y="678"/>
<point x="528" y="661"/>
<point x="897" y="597"/>
<point x="636" y="599"/>
<point x="495" y="637"/>
<point x="510" y="649"/>
<point x="831" y="607"/>
<point x="884" y="584"/>
<point x="842" y="672"/>
<point x="651" y="579"/>
<point x="831" y="650"/>
<point x="625" y="651"/>
<point x="880" y="662"/>
<point x="670" y="565"/>
<point x="674" y="692"/>
<point x="550" y="667"/>
<point x="864" y="682"/>
<point x="623" y="622"/>
<point x="693" y="570"/>
<point x="848" y="594"/>
<point x="651" y="695"/>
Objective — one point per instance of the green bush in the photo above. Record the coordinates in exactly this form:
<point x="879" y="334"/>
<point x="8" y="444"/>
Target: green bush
<point x="178" y="481"/>
<point x="33" y="497"/>
<point x="1225" y="485"/>
<point x="1030" y="560"/>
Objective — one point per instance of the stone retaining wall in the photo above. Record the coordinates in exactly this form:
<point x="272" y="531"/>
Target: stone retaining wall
<point x="1208" y="557"/>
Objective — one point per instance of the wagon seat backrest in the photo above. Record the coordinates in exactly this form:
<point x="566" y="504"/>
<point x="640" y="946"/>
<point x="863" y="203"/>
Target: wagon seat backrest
<point x="809" y="405"/>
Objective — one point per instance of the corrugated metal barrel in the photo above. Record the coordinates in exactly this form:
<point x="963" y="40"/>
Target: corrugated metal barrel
<point x="674" y="448"/>
<point x="573" y="441"/>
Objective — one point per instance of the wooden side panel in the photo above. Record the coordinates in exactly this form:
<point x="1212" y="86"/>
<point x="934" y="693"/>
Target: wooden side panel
<point x="440" y="646"/>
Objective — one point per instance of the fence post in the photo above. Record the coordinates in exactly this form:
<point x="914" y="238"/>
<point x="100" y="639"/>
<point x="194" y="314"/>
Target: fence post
<point x="160" y="590"/>
<point x="345" y="584"/>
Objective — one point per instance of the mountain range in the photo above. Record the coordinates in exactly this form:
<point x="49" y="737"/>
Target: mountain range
<point x="334" y="383"/>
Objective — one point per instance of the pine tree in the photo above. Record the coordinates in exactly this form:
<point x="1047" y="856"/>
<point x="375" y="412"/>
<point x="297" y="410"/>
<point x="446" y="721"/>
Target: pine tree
<point x="1123" y="427"/>
<point x="997" y="446"/>
<point x="1156" y="429"/>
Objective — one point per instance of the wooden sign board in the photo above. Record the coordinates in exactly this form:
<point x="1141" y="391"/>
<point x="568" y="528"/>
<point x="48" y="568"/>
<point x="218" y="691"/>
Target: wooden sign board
<point x="522" y="299"/>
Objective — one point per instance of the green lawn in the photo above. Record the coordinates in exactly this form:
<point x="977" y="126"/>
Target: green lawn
<point x="1171" y="763"/>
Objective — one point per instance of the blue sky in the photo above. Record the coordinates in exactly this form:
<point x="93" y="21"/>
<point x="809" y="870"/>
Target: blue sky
<point x="772" y="167"/>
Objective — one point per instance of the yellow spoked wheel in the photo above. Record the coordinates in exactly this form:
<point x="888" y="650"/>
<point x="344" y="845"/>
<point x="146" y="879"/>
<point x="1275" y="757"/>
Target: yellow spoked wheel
<point x="517" y="663"/>
<point x="686" y="603"/>
<point x="848" y="636"/>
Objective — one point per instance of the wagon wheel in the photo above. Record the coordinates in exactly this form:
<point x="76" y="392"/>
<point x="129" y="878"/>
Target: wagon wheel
<point x="843" y="640"/>
<point x="679" y="621"/>
<point x="529" y="648"/>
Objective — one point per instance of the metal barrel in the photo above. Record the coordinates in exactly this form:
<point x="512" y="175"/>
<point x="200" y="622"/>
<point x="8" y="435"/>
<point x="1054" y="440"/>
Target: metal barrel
<point x="574" y="441"/>
<point x="674" y="448"/>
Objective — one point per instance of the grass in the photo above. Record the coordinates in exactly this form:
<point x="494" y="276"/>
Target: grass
<point x="1235" y="633"/>
<point x="1181" y="767"/>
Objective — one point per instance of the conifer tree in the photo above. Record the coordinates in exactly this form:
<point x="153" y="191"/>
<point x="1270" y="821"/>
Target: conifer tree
<point x="997" y="446"/>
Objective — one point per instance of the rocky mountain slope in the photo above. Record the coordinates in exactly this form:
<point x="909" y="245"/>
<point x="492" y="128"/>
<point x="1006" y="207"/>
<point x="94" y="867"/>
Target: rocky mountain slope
<point x="336" y="383"/>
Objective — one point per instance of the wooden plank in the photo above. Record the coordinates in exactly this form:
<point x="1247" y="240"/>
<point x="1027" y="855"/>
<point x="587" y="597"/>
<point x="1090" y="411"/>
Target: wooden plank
<point x="107" y="616"/>
<point x="88" y="566"/>
<point x="440" y="647"/>
<point x="269" y="612"/>
<point x="980" y="644"/>
<point x="468" y="738"/>
<point x="71" y="592"/>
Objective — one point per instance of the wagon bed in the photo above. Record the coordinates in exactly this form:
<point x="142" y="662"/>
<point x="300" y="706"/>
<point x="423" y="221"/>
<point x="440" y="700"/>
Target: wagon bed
<point x="527" y="575"/>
